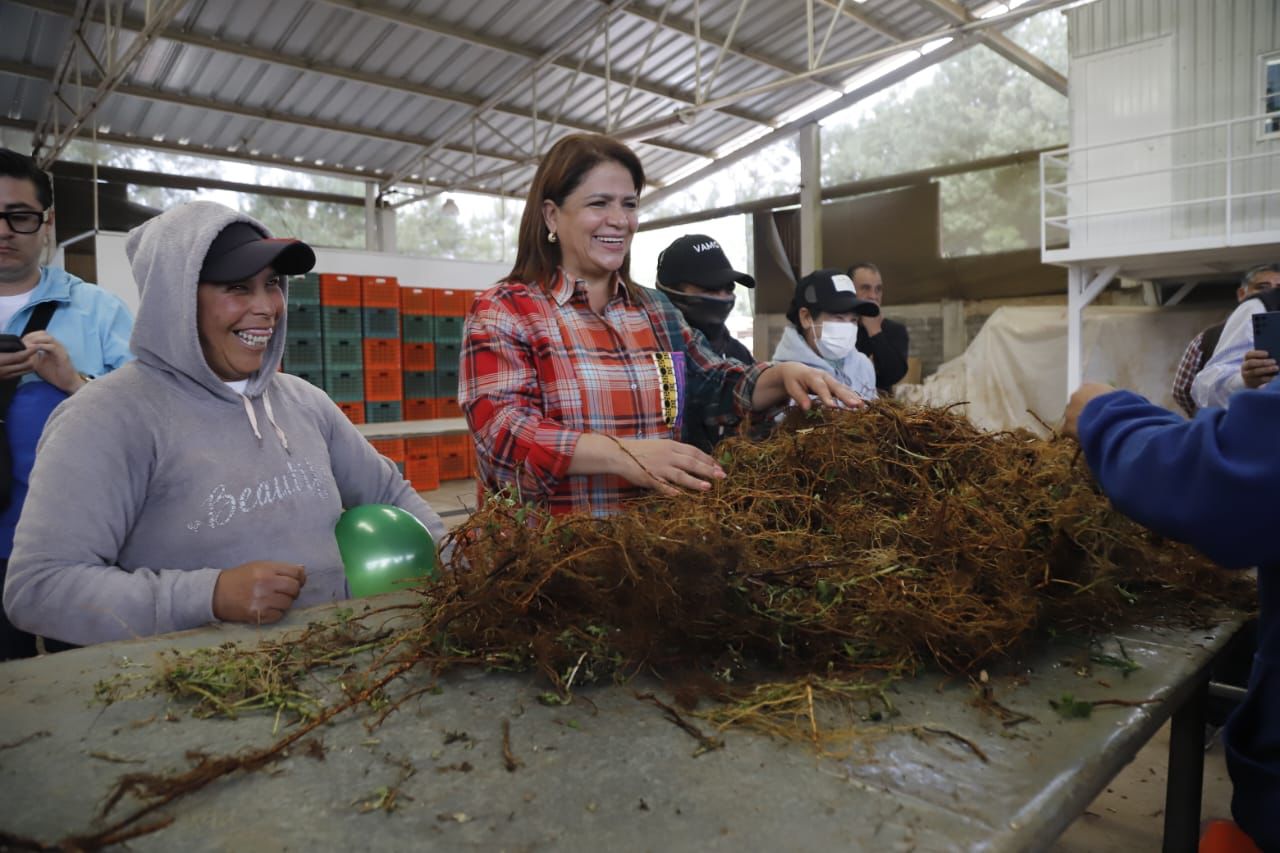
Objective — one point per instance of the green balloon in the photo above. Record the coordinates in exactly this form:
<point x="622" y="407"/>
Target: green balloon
<point x="382" y="547"/>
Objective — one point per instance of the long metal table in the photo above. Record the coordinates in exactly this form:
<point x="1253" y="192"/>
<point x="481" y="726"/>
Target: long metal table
<point x="412" y="429"/>
<point x="608" y="773"/>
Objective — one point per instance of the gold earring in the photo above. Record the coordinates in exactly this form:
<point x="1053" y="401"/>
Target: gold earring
<point x="552" y="238"/>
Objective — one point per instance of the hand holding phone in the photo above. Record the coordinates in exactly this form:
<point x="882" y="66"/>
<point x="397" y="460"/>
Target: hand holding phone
<point x="1266" y="333"/>
<point x="1260" y="363"/>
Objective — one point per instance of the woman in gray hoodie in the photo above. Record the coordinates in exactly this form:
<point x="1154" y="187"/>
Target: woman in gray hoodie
<point x="197" y="483"/>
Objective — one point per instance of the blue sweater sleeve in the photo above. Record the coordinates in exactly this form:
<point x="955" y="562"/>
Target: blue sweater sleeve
<point x="1213" y="481"/>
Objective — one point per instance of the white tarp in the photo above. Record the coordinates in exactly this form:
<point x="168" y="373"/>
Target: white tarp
<point x="1017" y="363"/>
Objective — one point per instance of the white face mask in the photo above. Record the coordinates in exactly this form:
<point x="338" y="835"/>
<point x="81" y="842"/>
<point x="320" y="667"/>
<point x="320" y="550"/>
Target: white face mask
<point x="837" y="338"/>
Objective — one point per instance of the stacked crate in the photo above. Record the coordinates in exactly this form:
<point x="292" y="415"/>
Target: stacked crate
<point x="422" y="463"/>
<point x="394" y="449"/>
<point x="341" y="339"/>
<point x="383" y="371"/>
<point x="385" y="353"/>
<point x="450" y="313"/>
<point x="417" y="305"/>
<point x="303" y="353"/>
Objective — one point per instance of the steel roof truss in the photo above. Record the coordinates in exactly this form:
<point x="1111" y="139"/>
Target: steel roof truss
<point x="570" y="41"/>
<point x="644" y="58"/>
<point x="1001" y="44"/>
<point x="273" y="57"/>
<point x="427" y="25"/>
<point x="115" y="65"/>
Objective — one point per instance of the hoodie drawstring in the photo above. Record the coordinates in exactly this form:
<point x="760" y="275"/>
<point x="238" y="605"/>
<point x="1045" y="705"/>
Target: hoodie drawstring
<point x="271" y="419"/>
<point x="253" y="419"/>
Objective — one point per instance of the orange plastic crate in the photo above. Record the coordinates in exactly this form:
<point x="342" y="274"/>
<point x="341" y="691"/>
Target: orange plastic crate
<point x="383" y="385"/>
<point x="418" y="356"/>
<point x="451" y="303"/>
<point x="471" y="299"/>
<point x="447" y="407"/>
<point x="419" y="409"/>
<point x="381" y="354"/>
<point x="423" y="473"/>
<point x="455" y="445"/>
<point x="392" y="448"/>
<point x="423" y="445"/>
<point x="353" y="411"/>
<point x="417" y="300"/>
<point x="454" y="467"/>
<point x="380" y="291"/>
<point x="340" y="290"/>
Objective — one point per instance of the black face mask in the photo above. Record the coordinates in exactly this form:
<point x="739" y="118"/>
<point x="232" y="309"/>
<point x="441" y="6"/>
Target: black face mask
<point x="702" y="312"/>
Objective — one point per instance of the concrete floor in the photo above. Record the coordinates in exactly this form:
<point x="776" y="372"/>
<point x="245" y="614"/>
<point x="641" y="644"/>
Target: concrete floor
<point x="1128" y="817"/>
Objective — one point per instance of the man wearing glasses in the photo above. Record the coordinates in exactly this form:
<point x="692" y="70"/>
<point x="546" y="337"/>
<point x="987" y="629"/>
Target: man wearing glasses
<point x="1235" y="363"/>
<point x="86" y="335"/>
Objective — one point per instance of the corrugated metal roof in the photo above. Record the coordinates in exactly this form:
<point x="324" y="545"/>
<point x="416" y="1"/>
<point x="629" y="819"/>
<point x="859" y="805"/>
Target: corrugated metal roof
<point x="443" y="93"/>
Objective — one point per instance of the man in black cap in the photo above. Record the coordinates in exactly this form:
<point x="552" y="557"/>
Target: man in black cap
<point x="696" y="276"/>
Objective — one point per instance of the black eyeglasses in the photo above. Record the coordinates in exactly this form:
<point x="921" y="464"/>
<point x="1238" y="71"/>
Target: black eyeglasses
<point x="24" y="221"/>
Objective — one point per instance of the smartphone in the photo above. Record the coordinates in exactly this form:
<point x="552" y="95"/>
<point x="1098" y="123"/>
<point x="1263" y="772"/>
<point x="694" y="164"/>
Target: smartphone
<point x="1266" y="333"/>
<point x="11" y="343"/>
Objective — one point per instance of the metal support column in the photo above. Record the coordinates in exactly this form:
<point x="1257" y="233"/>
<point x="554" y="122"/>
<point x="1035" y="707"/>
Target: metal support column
<point x="1185" y="781"/>
<point x="955" y="337"/>
<point x="1081" y="290"/>
<point x="810" y="144"/>
<point x="387" y="230"/>
<point x="371" y="216"/>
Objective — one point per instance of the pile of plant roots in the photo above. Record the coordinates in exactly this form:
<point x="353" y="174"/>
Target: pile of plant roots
<point x="848" y="542"/>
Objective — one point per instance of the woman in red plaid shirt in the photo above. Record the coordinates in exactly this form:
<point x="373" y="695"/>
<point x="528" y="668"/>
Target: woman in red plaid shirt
<point x="575" y="381"/>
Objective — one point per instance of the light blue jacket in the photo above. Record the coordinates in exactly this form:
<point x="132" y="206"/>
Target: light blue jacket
<point x="94" y="326"/>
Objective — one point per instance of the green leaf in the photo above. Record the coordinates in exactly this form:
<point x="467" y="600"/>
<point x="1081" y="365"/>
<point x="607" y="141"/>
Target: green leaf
<point x="1072" y="708"/>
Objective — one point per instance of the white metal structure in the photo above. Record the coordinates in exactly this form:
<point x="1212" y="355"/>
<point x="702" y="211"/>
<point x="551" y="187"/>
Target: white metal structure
<point x="1106" y="210"/>
<point x="1174" y="169"/>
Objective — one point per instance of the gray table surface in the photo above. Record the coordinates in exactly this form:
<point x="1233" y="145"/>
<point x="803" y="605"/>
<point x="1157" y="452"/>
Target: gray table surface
<point x="609" y="774"/>
<point x="412" y="429"/>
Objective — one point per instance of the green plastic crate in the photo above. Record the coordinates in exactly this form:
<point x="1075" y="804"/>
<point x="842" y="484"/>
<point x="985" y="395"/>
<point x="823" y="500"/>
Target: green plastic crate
<point x="303" y="354"/>
<point x="448" y="356"/>
<point x="305" y="321"/>
<point x="381" y="413"/>
<point x="303" y="289"/>
<point x="346" y="353"/>
<point x="418" y="328"/>
<point x="342" y="321"/>
<point x="447" y="383"/>
<point x="419" y="383"/>
<point x="315" y="377"/>
<point x="448" y="330"/>
<point x="344" y="386"/>
<point x="382" y="323"/>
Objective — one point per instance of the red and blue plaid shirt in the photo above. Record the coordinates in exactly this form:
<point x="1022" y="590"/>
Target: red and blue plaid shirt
<point x="540" y="368"/>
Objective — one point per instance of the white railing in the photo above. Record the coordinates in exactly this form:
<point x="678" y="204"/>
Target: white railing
<point x="1215" y="184"/>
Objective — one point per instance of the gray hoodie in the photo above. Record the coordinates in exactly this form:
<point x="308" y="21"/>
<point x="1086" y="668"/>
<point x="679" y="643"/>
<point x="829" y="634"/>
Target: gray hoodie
<point x="855" y="370"/>
<point x="151" y="480"/>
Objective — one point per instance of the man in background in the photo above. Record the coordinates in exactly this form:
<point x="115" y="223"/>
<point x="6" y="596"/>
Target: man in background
<point x="883" y="341"/>
<point x="1204" y="345"/>
<point x="1235" y="363"/>
<point x="85" y="335"/>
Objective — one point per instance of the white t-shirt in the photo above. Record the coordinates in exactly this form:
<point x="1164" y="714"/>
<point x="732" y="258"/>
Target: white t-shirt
<point x="10" y="305"/>
<point x="238" y="386"/>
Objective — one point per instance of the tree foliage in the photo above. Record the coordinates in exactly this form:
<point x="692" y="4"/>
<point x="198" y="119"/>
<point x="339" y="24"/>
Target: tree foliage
<point x="977" y="105"/>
